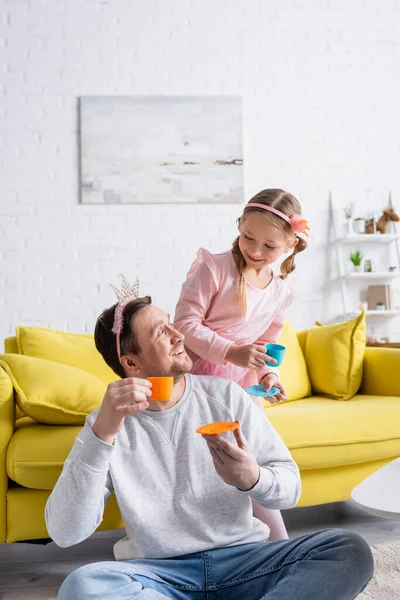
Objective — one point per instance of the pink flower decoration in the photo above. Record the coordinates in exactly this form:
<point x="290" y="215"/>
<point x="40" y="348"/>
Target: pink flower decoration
<point x="299" y="225"/>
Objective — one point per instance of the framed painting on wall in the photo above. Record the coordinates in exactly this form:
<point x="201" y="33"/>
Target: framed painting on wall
<point x="161" y="149"/>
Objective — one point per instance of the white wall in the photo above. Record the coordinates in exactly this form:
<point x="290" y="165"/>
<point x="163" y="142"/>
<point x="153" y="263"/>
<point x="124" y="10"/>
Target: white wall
<point x="319" y="80"/>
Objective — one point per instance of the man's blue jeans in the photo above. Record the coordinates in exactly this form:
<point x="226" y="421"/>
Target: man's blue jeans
<point x="328" y="565"/>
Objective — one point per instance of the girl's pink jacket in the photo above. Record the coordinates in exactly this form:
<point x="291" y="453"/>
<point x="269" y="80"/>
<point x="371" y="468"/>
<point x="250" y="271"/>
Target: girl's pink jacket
<point x="208" y="314"/>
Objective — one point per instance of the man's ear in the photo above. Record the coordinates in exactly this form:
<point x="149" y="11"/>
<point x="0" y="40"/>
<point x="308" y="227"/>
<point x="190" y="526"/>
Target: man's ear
<point x="132" y="365"/>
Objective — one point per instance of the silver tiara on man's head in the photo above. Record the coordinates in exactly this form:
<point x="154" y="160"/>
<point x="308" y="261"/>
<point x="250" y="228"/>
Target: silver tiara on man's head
<point x="128" y="290"/>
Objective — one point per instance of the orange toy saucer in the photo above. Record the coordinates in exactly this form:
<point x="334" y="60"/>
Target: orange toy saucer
<point x="218" y="427"/>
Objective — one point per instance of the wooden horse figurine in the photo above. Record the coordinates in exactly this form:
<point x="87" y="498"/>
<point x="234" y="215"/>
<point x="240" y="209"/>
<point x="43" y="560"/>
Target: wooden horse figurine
<point x="387" y="216"/>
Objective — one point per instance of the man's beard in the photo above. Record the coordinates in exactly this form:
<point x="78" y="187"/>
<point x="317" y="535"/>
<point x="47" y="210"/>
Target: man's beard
<point x="176" y="371"/>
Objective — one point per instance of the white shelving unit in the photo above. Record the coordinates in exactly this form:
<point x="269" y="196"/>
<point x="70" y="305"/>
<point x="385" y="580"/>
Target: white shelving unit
<point x="345" y="277"/>
<point x="382" y="313"/>
<point x="370" y="237"/>
<point x="376" y="275"/>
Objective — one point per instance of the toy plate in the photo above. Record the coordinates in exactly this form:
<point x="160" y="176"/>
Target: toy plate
<point x="258" y="390"/>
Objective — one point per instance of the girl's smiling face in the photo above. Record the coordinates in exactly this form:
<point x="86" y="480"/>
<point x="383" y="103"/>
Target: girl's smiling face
<point x="260" y="241"/>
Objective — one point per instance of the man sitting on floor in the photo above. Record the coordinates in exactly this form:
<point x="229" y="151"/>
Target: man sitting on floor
<point x="185" y="498"/>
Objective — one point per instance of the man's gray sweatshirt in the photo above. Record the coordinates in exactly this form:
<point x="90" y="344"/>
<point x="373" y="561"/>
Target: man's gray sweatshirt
<point x="171" y="499"/>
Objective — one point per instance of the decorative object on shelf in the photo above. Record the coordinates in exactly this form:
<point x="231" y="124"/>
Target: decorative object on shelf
<point x="370" y="224"/>
<point x="392" y="269"/>
<point x="348" y="213"/>
<point x="388" y="215"/>
<point x="379" y="297"/>
<point x="356" y="258"/>
<point x="359" y="225"/>
<point x="369" y="266"/>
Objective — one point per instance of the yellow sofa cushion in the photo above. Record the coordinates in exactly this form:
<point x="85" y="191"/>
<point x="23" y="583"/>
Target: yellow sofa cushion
<point x="72" y="349"/>
<point x="49" y="392"/>
<point x="334" y="356"/>
<point x="323" y="433"/>
<point x="293" y="370"/>
<point x="10" y="345"/>
<point x="381" y="369"/>
<point x="302" y="338"/>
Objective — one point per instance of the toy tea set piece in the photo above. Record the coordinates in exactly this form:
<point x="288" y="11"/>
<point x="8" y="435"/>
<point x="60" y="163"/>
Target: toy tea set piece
<point x="277" y="352"/>
<point x="259" y="390"/>
<point x="161" y="389"/>
<point x="218" y="427"/>
<point x="274" y="351"/>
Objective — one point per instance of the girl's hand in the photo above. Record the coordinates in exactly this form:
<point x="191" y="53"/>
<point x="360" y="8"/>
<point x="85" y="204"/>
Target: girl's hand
<point x="249" y="356"/>
<point x="271" y="380"/>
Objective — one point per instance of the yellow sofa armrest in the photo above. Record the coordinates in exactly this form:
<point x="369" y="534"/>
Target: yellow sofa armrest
<point x="381" y="372"/>
<point x="7" y="420"/>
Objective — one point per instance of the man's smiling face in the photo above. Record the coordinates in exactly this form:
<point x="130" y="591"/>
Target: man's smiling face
<point x="161" y="346"/>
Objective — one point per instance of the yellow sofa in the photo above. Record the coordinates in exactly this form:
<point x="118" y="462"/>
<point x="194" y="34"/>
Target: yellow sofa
<point x="335" y="443"/>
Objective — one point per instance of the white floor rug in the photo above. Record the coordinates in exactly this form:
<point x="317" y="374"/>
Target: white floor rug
<point x="385" y="584"/>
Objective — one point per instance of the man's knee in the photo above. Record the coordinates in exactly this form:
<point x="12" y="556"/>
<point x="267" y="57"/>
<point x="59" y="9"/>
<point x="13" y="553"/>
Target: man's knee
<point x="360" y="551"/>
<point x="80" y="583"/>
<point x="355" y="551"/>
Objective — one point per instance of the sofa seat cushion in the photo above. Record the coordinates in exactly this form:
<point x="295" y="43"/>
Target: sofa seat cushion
<point x="36" y="453"/>
<point x="321" y="432"/>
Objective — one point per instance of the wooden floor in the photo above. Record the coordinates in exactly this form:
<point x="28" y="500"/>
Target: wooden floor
<point x="35" y="572"/>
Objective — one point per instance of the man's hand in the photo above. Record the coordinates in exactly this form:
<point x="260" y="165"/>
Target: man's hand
<point x="236" y="465"/>
<point x="124" y="397"/>
<point x="271" y="380"/>
<point x="249" y="356"/>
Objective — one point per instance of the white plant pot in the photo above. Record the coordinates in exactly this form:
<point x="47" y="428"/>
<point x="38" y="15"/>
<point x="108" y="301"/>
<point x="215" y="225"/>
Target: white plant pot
<point x="356" y="268"/>
<point x="359" y="226"/>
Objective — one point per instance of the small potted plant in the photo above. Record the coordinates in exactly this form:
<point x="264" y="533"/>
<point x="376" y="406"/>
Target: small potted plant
<point x="359" y="225"/>
<point x="356" y="258"/>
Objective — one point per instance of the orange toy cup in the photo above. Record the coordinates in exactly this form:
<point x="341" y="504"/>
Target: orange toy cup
<point x="161" y="388"/>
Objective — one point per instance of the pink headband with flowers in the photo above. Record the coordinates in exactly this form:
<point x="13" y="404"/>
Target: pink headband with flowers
<point x="296" y="222"/>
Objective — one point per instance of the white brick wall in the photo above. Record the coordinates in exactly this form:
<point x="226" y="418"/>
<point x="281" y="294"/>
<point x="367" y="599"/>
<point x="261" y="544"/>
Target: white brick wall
<point x="319" y="81"/>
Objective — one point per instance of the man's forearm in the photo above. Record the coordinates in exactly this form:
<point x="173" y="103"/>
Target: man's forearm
<point x="75" y="507"/>
<point x="278" y="487"/>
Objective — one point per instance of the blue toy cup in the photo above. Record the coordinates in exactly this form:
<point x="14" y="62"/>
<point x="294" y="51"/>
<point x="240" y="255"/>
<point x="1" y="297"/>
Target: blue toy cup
<point x="275" y="351"/>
